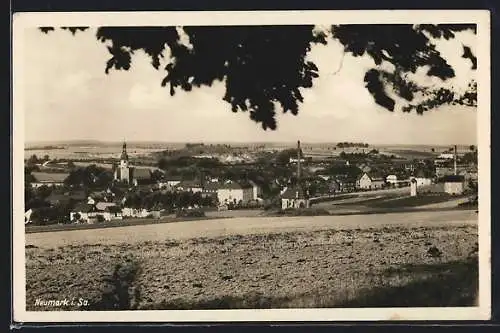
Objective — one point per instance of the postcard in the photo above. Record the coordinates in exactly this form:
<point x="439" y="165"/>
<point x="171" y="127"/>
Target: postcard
<point x="265" y="166"/>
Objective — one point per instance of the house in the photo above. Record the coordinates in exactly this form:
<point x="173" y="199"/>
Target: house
<point x="233" y="192"/>
<point x="294" y="197"/>
<point x="446" y="156"/>
<point x="367" y="182"/>
<point x="172" y="181"/>
<point x="48" y="179"/>
<point x="210" y="189"/>
<point x="134" y="212"/>
<point x="83" y="212"/>
<point x="391" y="179"/>
<point x="423" y="178"/>
<point x="454" y="184"/>
<point x="346" y="183"/>
<point x="190" y="186"/>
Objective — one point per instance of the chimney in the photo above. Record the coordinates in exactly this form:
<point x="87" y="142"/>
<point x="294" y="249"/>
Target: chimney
<point x="298" y="162"/>
<point x="455" y="161"/>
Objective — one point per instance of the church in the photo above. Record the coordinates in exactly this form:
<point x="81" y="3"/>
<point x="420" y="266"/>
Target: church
<point x="127" y="174"/>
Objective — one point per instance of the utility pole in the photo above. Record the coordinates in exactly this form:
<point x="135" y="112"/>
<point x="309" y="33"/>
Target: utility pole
<point x="455" y="161"/>
<point x="298" y="162"/>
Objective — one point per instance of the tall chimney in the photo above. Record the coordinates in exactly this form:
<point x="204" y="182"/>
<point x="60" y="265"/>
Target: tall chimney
<point x="455" y="161"/>
<point x="298" y="162"/>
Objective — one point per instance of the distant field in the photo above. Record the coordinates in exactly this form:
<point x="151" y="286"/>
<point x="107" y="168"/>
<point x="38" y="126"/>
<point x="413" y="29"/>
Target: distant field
<point x="88" y="152"/>
<point x="402" y="260"/>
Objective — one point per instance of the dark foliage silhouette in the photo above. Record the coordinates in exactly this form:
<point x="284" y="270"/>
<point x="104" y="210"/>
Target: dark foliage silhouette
<point x="265" y="67"/>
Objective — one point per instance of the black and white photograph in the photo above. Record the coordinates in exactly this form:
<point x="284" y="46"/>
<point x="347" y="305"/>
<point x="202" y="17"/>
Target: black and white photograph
<point x="198" y="166"/>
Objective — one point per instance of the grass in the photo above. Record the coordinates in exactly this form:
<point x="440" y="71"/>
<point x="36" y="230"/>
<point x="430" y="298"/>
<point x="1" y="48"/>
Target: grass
<point x="453" y="284"/>
<point x="111" y="224"/>
<point x="420" y="200"/>
<point x="379" y="266"/>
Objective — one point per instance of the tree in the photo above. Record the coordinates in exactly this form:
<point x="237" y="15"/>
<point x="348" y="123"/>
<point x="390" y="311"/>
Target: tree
<point x="265" y="67"/>
<point x="32" y="161"/>
<point x="77" y="217"/>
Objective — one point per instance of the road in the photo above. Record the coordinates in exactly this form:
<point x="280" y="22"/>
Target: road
<point x="245" y="226"/>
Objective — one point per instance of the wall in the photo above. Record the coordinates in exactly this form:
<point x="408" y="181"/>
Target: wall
<point x="453" y="188"/>
<point x="423" y="181"/>
<point x="294" y="203"/>
<point x="229" y="195"/>
<point x="376" y="184"/>
<point x="49" y="184"/>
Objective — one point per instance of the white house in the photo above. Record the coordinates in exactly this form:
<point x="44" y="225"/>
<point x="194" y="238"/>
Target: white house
<point x="446" y="156"/>
<point x="235" y="193"/>
<point x="190" y="186"/>
<point x="48" y="179"/>
<point x="367" y="182"/>
<point x="133" y="212"/>
<point x="454" y="185"/>
<point x="294" y="197"/>
<point x="422" y="178"/>
<point x="391" y="179"/>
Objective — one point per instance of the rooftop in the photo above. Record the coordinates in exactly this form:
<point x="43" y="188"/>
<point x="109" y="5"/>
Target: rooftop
<point x="49" y="177"/>
<point x="294" y="192"/>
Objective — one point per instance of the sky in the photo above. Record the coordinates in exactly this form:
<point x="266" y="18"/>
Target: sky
<point x="69" y="97"/>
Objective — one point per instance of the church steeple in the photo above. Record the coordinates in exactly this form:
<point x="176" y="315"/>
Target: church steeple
<point x="124" y="156"/>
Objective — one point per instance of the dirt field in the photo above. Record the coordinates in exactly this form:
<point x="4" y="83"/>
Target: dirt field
<point x="245" y="226"/>
<point x="420" y="260"/>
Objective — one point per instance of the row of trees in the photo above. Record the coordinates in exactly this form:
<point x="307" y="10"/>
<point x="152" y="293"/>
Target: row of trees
<point x="352" y="145"/>
<point x="168" y="200"/>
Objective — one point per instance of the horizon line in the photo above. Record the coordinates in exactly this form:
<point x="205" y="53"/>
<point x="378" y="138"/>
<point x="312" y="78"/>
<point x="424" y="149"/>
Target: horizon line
<point x="72" y="141"/>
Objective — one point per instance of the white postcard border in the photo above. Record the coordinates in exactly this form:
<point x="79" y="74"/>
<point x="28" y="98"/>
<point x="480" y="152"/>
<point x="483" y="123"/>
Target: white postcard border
<point x="480" y="17"/>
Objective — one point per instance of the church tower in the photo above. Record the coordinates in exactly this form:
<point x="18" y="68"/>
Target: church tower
<point x="122" y="172"/>
<point x="124" y="157"/>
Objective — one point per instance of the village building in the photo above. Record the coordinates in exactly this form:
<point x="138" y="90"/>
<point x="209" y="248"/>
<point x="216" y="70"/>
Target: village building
<point x="48" y="179"/>
<point x="454" y="184"/>
<point x="346" y="183"/>
<point x="391" y="179"/>
<point x="190" y="186"/>
<point x="422" y="178"/>
<point x="127" y="174"/>
<point x="233" y="192"/>
<point x="90" y="213"/>
<point x="83" y="213"/>
<point x="169" y="182"/>
<point x="367" y="182"/>
<point x="294" y="197"/>
<point x="134" y="212"/>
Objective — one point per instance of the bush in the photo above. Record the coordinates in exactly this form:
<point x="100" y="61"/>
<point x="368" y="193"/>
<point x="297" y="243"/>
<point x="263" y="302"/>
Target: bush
<point x="304" y="212"/>
<point x="190" y="213"/>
